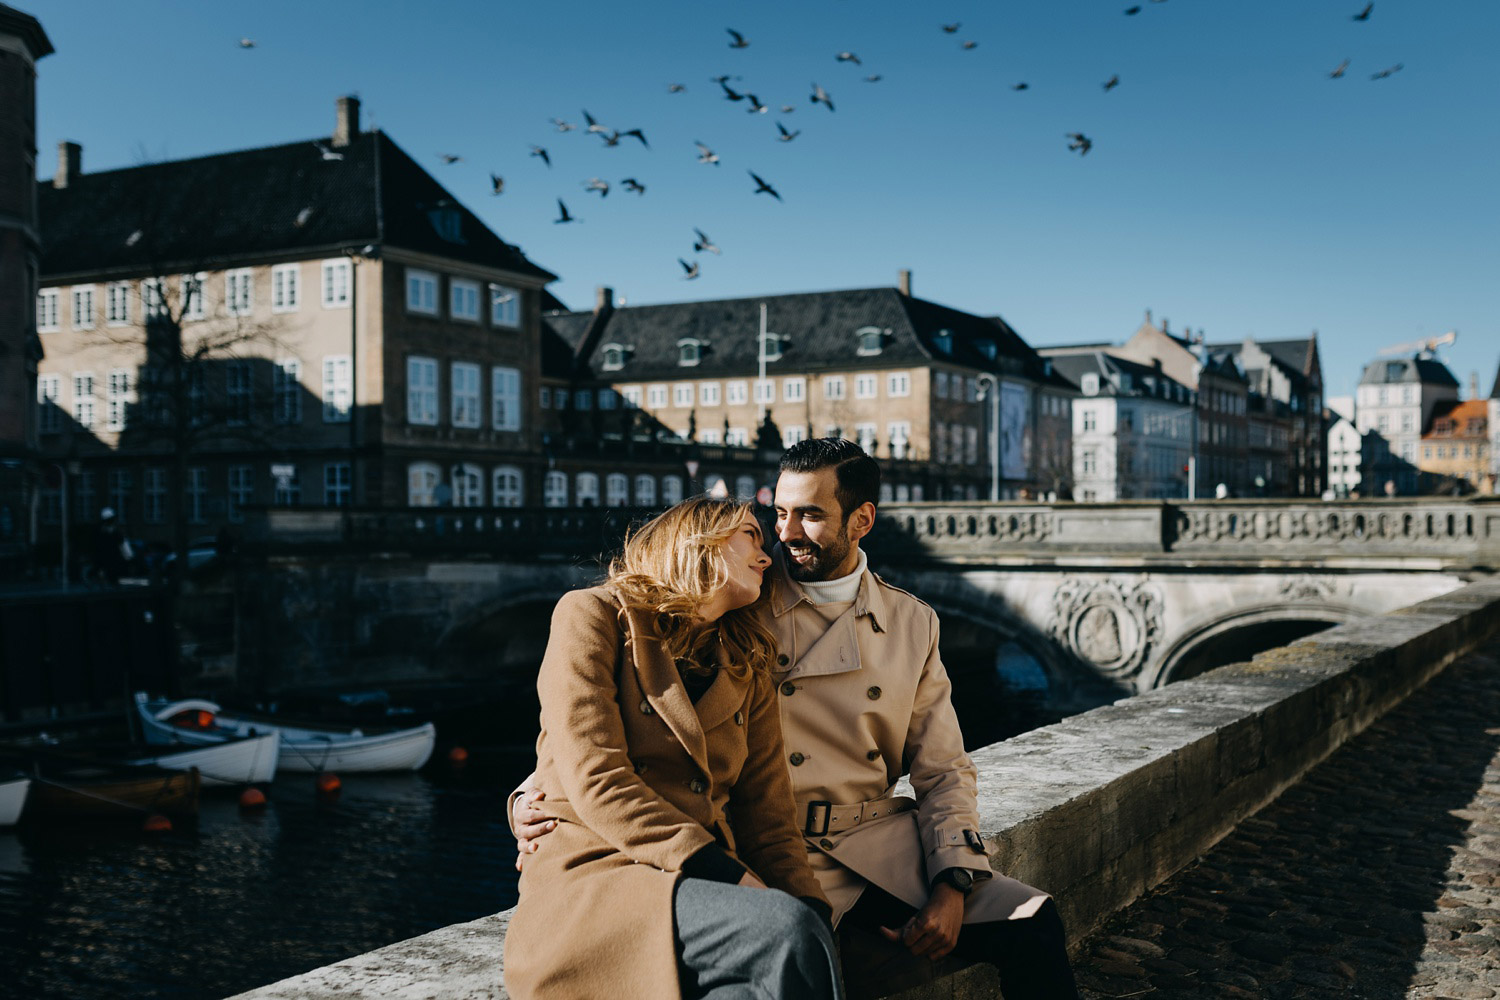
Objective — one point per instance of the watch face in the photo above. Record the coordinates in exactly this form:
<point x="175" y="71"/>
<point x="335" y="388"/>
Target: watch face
<point x="961" y="879"/>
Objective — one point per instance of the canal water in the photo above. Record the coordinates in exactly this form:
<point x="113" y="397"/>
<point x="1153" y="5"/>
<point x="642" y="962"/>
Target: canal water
<point x="245" y="899"/>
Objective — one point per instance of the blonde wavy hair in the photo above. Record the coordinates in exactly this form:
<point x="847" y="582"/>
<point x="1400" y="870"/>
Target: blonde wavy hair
<point x="672" y="565"/>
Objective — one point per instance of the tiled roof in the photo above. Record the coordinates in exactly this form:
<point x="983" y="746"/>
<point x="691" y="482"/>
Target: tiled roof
<point x="1460" y="412"/>
<point x="213" y="211"/>
<point x="819" y="328"/>
<point x="1426" y="371"/>
<point x="1291" y="356"/>
<point x="1107" y="366"/>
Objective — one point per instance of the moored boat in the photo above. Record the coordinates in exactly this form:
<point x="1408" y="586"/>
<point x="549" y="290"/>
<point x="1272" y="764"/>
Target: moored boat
<point x="70" y="788"/>
<point x="13" y="798"/>
<point x="239" y="760"/>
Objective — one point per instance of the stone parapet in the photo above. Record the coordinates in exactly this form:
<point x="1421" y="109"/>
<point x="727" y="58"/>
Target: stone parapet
<point x="1097" y="808"/>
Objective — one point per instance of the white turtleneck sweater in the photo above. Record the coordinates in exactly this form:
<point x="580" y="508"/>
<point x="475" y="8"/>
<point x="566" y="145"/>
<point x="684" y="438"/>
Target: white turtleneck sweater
<point x="844" y="589"/>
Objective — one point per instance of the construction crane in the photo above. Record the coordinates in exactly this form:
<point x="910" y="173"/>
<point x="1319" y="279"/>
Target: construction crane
<point x="1425" y="347"/>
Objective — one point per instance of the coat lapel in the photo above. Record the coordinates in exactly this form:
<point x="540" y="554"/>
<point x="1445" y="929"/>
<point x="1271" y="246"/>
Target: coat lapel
<point x="722" y="698"/>
<point x="663" y="688"/>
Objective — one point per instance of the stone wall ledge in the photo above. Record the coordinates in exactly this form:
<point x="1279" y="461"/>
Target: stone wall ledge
<point x="1097" y="808"/>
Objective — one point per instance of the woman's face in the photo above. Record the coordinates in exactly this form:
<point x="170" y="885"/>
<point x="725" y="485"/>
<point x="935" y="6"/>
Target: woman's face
<point x="746" y="563"/>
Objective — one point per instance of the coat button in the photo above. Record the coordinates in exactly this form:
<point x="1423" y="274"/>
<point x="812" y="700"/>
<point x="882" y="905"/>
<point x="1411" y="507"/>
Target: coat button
<point x="783" y="659"/>
<point x="788" y="687"/>
<point x="796" y="759"/>
<point x="826" y="844"/>
<point x="739" y="718"/>
<point x="697" y="785"/>
<point x="646" y="707"/>
<point x="873" y="694"/>
<point x="873" y="755"/>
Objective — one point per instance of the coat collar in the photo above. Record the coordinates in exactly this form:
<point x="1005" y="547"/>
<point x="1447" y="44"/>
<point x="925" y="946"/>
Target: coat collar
<point x="833" y="649"/>
<point x="786" y="593"/>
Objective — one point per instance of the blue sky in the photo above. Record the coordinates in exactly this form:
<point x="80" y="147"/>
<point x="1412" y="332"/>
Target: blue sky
<point x="1232" y="187"/>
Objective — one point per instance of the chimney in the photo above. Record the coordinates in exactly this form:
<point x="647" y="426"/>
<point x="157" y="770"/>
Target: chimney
<point x="1474" y="385"/>
<point x="348" y="121"/>
<point x="903" y="282"/>
<point x="69" y="164"/>
<point x="1166" y="325"/>
<point x="604" y="299"/>
<point x="1148" y="317"/>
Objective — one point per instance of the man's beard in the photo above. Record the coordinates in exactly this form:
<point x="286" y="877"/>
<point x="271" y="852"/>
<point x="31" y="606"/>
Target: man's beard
<point x="824" y="561"/>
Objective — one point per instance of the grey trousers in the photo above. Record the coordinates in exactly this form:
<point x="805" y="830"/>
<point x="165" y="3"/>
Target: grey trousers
<point x="736" y="943"/>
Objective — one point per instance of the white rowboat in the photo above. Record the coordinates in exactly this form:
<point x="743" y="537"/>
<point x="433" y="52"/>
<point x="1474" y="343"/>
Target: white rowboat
<point x="13" y="799"/>
<point x="247" y="760"/>
<point x="198" y="722"/>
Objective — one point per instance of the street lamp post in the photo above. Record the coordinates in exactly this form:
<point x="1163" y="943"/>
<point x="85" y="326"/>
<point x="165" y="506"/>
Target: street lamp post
<point x="990" y="386"/>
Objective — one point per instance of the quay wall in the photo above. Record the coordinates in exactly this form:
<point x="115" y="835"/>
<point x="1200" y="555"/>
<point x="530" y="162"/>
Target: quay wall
<point x="1097" y="808"/>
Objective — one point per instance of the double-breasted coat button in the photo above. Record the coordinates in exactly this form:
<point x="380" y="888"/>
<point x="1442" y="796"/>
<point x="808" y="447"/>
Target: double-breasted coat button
<point x="873" y="755"/>
<point x="826" y="844"/>
<point x="646" y="708"/>
<point x="783" y="659"/>
<point x="873" y="694"/>
<point x="697" y="785"/>
<point x="796" y="759"/>
<point x="788" y="687"/>
<point x="739" y="718"/>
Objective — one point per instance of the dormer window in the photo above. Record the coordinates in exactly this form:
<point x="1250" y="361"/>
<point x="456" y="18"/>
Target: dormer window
<point x="871" y="339"/>
<point x="772" y="346"/>
<point x="615" y="356"/>
<point x="943" y="341"/>
<point x="447" y="221"/>
<point x="987" y="348"/>
<point x="1090" y="384"/>
<point x="689" y="352"/>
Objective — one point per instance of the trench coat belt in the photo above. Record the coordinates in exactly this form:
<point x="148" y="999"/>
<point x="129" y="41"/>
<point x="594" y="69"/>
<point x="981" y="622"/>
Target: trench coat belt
<point x="824" y="817"/>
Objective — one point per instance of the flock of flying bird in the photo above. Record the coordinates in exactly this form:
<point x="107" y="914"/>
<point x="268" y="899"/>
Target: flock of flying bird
<point x="611" y="137"/>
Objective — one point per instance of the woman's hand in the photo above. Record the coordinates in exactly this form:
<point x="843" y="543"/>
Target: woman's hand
<point x="749" y="881"/>
<point x="530" y="822"/>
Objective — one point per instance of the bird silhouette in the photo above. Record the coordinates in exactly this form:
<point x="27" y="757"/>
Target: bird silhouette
<point x="969" y="45"/>
<point x="952" y="28"/>
<point x="1386" y="72"/>
<point x="786" y="136"/>
<point x="1080" y="142"/>
<point x="303" y="216"/>
<point x="730" y="93"/>
<point x="595" y="184"/>
<point x="563" y="126"/>
<point x="1023" y="85"/>
<point x="593" y="126"/>
<point x="1338" y="70"/>
<point x="328" y="154"/>
<point x="848" y="57"/>
<point x="497" y="184"/>
<point x="819" y="94"/>
<point x="636" y="133"/>
<point x="1132" y="11"/>
<point x="247" y="43"/>
<point x="675" y="88"/>
<point x="1111" y="83"/>
<point x="706" y="155"/>
<point x="538" y="151"/>
<point x="739" y="39"/>
<point x="450" y="158"/>
<point x="563" y="215"/>
<point x="1363" y="15"/>
<point x="631" y="184"/>
<point x="762" y="186"/>
<point x="873" y="78"/>
<point x="704" y="243"/>
<point x="756" y="108"/>
<point x="691" y="269"/>
<point x="787" y="109"/>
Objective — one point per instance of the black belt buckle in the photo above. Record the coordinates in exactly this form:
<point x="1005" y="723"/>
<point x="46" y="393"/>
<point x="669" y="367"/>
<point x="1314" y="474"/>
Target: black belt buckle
<point x="827" y="808"/>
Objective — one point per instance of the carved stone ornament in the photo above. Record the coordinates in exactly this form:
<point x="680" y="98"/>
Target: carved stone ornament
<point x="1306" y="588"/>
<point x="1110" y="624"/>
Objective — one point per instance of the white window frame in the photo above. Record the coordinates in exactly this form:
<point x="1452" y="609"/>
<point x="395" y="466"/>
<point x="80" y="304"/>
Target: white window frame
<point x="555" y="489"/>
<point x="682" y="395"/>
<point x="154" y="299"/>
<point x="689" y="352"/>
<point x="710" y="435"/>
<point x="239" y="393"/>
<point x="422" y="391"/>
<point x="82" y="300"/>
<point x="583" y="399"/>
<point x="467" y="485"/>
<point x="421" y="292"/>
<point x="631" y="394"/>
<point x="505" y="398"/>
<point x="463" y="300"/>
<point x="736" y="392"/>
<point x="154" y="496"/>
<point x="240" y="483"/>
<point x="337" y="282"/>
<point x="612" y="357"/>
<point x="49" y="410"/>
<point x="737" y="437"/>
<point x="656" y="397"/>
<point x="671" y="490"/>
<point x="708" y="394"/>
<point x="195" y="494"/>
<point x="869" y="341"/>
<point x="192" y="288"/>
<point x="898" y="384"/>
<point x="286" y="392"/>
<point x="422" y="479"/>
<point x="239" y="291"/>
<point x="864" y="386"/>
<point x="338" y="389"/>
<point x="865" y="434"/>
<point x="286" y="288"/>
<point x="83" y="399"/>
<point x="505" y="307"/>
<point x="47" y="307"/>
<point x="793" y="390"/>
<point x="463" y="394"/>
<point x="617" y="490"/>
<point x="586" y="489"/>
<point x="833" y="387"/>
<point x="119" y="395"/>
<point x="507" y="486"/>
<point x="645" y="490"/>
<point x="792" y="434"/>
<point x="765" y="390"/>
<point x="117" y="303"/>
<point x="898" y="437"/>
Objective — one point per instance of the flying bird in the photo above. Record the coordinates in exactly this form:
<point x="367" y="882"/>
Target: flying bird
<point x="675" y="88"/>
<point x="328" y="154"/>
<point x="1338" y="70"/>
<point x="969" y="45"/>
<point x="631" y="184"/>
<point x="247" y="43"/>
<point x="1386" y="72"/>
<point x="1080" y="142"/>
<point x="756" y="108"/>
<point x="848" y="57"/>
<point x="1132" y="11"/>
<point x="873" y="78"/>
<point x="450" y="158"/>
<point x="819" y="94"/>
<point x="1363" y="15"/>
<point x="497" y="183"/>
<point x="739" y="39"/>
<point x="952" y="28"/>
<point x="303" y="216"/>
<point x="1023" y="85"/>
<point x="706" y="155"/>
<point x="762" y="186"/>
<point x="637" y="134"/>
<point x="691" y="269"/>
<point x="563" y="126"/>
<point x="1111" y="83"/>
<point x="704" y="243"/>
<point x="786" y="136"/>
<point x="593" y="126"/>
<point x="538" y="151"/>
<point x="787" y="109"/>
<point x="563" y="215"/>
<point x="730" y="93"/>
<point x="595" y="184"/>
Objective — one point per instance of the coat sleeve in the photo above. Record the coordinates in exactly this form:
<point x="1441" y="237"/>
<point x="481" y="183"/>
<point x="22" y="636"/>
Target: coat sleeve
<point x="942" y="775"/>
<point x="585" y="738"/>
<point x="762" y="807"/>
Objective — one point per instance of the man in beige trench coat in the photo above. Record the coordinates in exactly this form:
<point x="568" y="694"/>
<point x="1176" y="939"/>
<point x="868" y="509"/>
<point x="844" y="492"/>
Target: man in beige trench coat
<point x="864" y="700"/>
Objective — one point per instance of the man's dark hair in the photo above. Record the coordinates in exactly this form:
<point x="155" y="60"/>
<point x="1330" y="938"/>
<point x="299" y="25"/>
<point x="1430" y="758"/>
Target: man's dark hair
<point x="857" y="474"/>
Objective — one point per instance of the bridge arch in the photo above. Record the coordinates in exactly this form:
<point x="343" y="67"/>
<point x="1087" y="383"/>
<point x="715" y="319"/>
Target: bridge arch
<point x="504" y="634"/>
<point x="1236" y="637"/>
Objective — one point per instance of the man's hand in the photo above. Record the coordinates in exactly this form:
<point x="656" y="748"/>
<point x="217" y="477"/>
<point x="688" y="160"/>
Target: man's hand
<point x="933" y="931"/>
<point x="531" y="823"/>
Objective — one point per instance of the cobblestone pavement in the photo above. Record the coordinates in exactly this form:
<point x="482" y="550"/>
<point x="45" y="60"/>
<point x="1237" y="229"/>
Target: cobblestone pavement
<point x="1376" y="876"/>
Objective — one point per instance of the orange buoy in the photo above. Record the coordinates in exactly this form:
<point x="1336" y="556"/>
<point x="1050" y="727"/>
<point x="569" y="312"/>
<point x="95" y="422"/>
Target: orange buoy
<point x="252" y="798"/>
<point x="157" y="823"/>
<point x="458" y="756"/>
<point x="328" y="784"/>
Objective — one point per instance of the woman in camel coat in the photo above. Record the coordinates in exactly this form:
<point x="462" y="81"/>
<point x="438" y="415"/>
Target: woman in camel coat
<point x="675" y="867"/>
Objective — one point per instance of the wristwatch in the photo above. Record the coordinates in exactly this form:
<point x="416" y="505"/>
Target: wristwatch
<point x="959" y="878"/>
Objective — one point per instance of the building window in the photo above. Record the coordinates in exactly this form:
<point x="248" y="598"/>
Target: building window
<point x="196" y="494"/>
<point x="614" y="357"/>
<point x="616" y="490"/>
<point x="631" y="394"/>
<point x="559" y="398"/>
<point x="154" y="298"/>
<point x="1406" y="423"/>
<point x="898" y="434"/>
<point x="241" y="490"/>
<point x="736" y="393"/>
<point x="505" y="307"/>
<point x="898" y="384"/>
<point x="46" y="310"/>
<point x="336" y="282"/>
<point x="83" y="399"/>
<point x="117" y="303"/>
<point x="671" y="489"/>
<point x="865" y="435"/>
<point x="555" y="490"/>
<point x="422" y="479"/>
<point x="709" y="435"/>
<point x="1088" y="463"/>
<point x="237" y="393"/>
<point x="468" y="485"/>
<point x="84" y="496"/>
<point x="956" y="445"/>
<point x="689" y="352"/>
<point x="505" y="399"/>
<point x="156" y="496"/>
<point x="83" y="307"/>
<point x="463" y="394"/>
<point x="645" y="491"/>
<point x="772" y="346"/>
<point x="1089" y="383"/>
<point x="286" y="391"/>
<point x="656" y="396"/>
<point x="463" y="300"/>
<point x="682" y="394"/>
<point x="708" y="393"/>
<point x="794" y="390"/>
<point x="239" y="297"/>
<point x="864" y="387"/>
<point x="285" y="293"/>
<point x="971" y="445"/>
<point x="120" y="485"/>
<point x="869" y="339"/>
<point x="940" y="385"/>
<point x="833" y="387"/>
<point x="1089" y="419"/>
<point x="792" y="434"/>
<point x="583" y="399"/>
<point x="737" y="437"/>
<point x="421" y="292"/>
<point x="338" y="388"/>
<point x="608" y="399"/>
<point x="586" y="489"/>
<point x="765" y="390"/>
<point x="117" y="400"/>
<point x="744" y="487"/>
<point x="192" y="295"/>
<point x="506" y="486"/>
<point x="421" y="391"/>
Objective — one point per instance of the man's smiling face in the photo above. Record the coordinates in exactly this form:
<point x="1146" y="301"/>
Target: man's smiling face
<point x="813" y="527"/>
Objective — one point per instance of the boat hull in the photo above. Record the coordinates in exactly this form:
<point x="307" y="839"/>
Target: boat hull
<point x="13" y="799"/>
<point x="248" y="761"/>
<point x="173" y="793"/>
